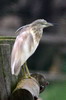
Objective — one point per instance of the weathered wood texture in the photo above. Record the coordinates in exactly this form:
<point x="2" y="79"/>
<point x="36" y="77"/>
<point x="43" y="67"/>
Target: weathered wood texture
<point x="26" y="89"/>
<point x="5" y="76"/>
<point x="7" y="81"/>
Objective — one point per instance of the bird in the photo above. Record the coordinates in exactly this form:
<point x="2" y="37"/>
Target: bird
<point x="25" y="45"/>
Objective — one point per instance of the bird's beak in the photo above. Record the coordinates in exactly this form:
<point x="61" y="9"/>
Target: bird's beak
<point x="48" y="24"/>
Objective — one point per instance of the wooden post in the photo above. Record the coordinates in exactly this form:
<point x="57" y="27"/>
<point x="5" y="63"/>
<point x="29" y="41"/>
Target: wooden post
<point x="26" y="89"/>
<point x="5" y="75"/>
<point x="30" y="88"/>
<point x="7" y="81"/>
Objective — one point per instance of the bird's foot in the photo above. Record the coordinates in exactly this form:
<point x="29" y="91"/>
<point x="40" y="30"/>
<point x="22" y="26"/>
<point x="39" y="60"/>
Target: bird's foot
<point x="26" y="76"/>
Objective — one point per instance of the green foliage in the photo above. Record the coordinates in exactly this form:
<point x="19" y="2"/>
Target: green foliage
<point x="57" y="91"/>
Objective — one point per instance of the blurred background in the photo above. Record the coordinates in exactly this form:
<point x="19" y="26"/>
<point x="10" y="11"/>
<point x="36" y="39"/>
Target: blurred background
<point x="50" y="57"/>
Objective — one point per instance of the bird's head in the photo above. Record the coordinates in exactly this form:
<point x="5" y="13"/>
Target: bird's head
<point x="41" y="23"/>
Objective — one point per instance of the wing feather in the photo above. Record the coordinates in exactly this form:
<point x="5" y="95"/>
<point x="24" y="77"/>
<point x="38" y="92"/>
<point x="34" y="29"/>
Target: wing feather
<point x="20" y="52"/>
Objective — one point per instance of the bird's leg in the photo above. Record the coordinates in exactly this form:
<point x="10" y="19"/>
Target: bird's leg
<point x="27" y="70"/>
<point x="24" y="71"/>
